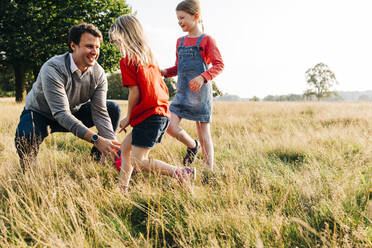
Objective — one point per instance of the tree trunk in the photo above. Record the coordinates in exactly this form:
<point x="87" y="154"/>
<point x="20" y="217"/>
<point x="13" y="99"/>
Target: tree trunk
<point x="20" y="78"/>
<point x="35" y="71"/>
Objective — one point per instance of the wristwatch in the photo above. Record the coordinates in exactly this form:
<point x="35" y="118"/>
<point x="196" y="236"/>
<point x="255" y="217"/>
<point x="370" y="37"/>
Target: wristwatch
<point x="94" y="138"/>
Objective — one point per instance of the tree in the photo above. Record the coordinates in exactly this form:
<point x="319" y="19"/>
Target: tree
<point x="115" y="87"/>
<point x="364" y="98"/>
<point x="254" y="99"/>
<point x="32" y="31"/>
<point x="215" y="90"/>
<point x="6" y="80"/>
<point x="320" y="80"/>
<point x="269" y="98"/>
<point x="295" y="97"/>
<point x="171" y="85"/>
<point x="7" y="85"/>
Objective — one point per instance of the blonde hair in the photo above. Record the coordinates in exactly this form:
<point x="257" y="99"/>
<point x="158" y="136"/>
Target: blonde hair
<point x="127" y="34"/>
<point x="192" y="7"/>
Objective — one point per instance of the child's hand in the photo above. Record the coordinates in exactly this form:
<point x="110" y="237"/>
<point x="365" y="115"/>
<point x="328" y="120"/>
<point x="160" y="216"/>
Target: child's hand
<point x="196" y="83"/>
<point x="123" y="124"/>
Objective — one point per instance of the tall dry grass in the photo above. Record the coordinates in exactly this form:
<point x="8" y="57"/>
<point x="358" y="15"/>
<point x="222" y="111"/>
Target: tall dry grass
<point x="286" y="175"/>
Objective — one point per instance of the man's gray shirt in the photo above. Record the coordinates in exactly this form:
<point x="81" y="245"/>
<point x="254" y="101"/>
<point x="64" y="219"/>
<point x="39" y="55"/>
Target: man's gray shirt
<point x="57" y="93"/>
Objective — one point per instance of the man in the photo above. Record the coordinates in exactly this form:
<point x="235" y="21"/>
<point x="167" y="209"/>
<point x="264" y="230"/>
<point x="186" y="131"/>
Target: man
<point x="69" y="95"/>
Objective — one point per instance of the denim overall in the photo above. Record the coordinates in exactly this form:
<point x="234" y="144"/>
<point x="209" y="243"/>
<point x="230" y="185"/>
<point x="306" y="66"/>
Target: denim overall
<point x="189" y="104"/>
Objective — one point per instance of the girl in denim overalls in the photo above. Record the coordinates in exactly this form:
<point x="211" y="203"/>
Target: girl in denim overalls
<point x="193" y="99"/>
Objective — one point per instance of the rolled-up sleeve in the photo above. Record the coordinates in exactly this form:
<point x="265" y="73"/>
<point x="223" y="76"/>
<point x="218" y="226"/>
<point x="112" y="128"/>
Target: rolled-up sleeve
<point x="212" y="56"/>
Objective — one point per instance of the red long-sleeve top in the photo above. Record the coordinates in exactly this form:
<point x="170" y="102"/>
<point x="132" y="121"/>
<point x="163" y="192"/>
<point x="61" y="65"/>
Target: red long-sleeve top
<point x="209" y="52"/>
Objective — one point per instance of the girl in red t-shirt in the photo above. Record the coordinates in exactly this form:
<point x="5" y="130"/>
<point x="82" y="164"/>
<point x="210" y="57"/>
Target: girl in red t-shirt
<point x="148" y="107"/>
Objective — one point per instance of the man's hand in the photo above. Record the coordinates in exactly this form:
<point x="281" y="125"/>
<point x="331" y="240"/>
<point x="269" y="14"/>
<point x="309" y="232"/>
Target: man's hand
<point x="196" y="83"/>
<point x="124" y="123"/>
<point x="106" y="146"/>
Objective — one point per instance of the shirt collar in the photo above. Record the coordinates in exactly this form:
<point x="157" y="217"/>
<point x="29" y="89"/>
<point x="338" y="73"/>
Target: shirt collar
<point x="74" y="68"/>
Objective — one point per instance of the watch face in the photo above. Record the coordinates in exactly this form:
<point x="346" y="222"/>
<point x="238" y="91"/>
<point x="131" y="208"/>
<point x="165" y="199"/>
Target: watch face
<point x="94" y="138"/>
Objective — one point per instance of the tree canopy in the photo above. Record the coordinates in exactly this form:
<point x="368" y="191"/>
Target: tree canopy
<point x="320" y="79"/>
<point x="32" y="31"/>
<point x="215" y="90"/>
<point x="115" y="87"/>
<point x="171" y="85"/>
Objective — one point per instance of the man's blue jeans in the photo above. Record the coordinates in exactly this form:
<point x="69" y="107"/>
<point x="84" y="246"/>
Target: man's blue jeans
<point x="33" y="128"/>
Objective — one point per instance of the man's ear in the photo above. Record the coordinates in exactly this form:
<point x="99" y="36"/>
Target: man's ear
<point x="73" y="46"/>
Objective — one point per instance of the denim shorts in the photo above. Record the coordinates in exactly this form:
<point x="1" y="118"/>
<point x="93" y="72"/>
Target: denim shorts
<point x="150" y="131"/>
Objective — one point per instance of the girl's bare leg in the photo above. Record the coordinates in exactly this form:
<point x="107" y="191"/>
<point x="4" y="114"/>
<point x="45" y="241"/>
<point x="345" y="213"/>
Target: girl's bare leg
<point x="140" y="160"/>
<point x="137" y="157"/>
<point x="205" y="137"/>
<point x="184" y="175"/>
<point x="179" y="133"/>
<point x="126" y="166"/>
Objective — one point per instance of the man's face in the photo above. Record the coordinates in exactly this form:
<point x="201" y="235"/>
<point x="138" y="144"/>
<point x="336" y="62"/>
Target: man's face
<point x="86" y="53"/>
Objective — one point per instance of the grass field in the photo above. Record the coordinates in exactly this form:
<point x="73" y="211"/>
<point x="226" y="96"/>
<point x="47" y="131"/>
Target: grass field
<point x="286" y="175"/>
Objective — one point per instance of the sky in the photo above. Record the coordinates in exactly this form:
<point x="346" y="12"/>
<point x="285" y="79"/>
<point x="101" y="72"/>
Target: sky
<point x="267" y="45"/>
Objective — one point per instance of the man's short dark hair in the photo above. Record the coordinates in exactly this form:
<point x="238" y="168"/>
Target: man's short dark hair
<point x="78" y="30"/>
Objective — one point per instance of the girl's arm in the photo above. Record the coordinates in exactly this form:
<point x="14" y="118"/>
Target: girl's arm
<point x="169" y="72"/>
<point x="212" y="56"/>
<point x="133" y="99"/>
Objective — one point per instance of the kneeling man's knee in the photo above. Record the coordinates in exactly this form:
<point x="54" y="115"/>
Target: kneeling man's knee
<point x="113" y="107"/>
<point x="114" y="112"/>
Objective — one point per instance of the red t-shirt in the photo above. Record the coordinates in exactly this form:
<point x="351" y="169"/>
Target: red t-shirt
<point x="209" y="52"/>
<point x="153" y="91"/>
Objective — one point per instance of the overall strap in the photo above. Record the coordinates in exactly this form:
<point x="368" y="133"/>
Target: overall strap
<point x="199" y="40"/>
<point x="181" y="43"/>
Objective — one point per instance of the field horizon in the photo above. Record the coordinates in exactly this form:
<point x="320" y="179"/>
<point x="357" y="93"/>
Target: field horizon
<point x="287" y="174"/>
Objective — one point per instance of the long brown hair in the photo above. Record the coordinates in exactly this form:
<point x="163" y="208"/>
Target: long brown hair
<point x="127" y="34"/>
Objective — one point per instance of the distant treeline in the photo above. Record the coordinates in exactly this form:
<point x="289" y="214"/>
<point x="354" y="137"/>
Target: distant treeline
<point x="341" y="96"/>
<point x="117" y="91"/>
